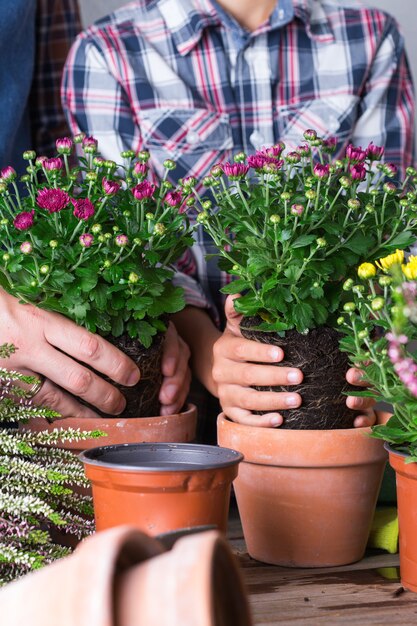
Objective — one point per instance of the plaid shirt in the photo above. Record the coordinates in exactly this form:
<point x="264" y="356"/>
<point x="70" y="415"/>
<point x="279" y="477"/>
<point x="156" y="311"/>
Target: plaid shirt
<point x="183" y="80"/>
<point x="57" y="25"/>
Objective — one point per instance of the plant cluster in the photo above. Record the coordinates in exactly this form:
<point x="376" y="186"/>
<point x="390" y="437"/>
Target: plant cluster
<point x="95" y="242"/>
<point x="291" y="226"/>
<point x="37" y="485"/>
<point x="380" y="324"/>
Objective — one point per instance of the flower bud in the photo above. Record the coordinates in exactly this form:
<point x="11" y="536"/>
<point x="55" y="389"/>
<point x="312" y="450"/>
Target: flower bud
<point x="240" y="157"/>
<point x="137" y="241"/>
<point x="64" y="145"/>
<point x="363" y="334"/>
<point x="121" y="241"/>
<point x="86" y="240"/>
<point x="8" y="174"/>
<point x="345" y="182"/>
<point x="160" y="229"/>
<point x="274" y="219"/>
<point x="133" y="278"/>
<point x="349" y="307"/>
<point x="411" y="171"/>
<point x="340" y="320"/>
<point x="321" y="242"/>
<point x="297" y="209"/>
<point x="44" y="269"/>
<point x="169" y="164"/>
<point x="143" y="156"/>
<point x="310" y="135"/>
<point x="149" y="216"/>
<point x="89" y="145"/>
<point x="385" y="281"/>
<point x="354" y="204"/>
<point x="348" y="284"/>
<point x="128" y="154"/>
<point x="26" y="247"/>
<point x="285" y="196"/>
<point x="115" y="229"/>
<point x="358" y="289"/>
<point x="79" y="138"/>
<point x="189" y="202"/>
<point x="4" y="221"/>
<point x="377" y="304"/>
<point x="202" y="217"/>
<point x="389" y="188"/>
<point x="29" y="155"/>
<point x="53" y="243"/>
<point x="33" y="283"/>
<point x="207" y="204"/>
<point x="366" y="271"/>
<point x="310" y="194"/>
<point x="107" y="263"/>
<point x="369" y="208"/>
<point x="91" y="176"/>
<point x="96" y="228"/>
<point x="6" y="257"/>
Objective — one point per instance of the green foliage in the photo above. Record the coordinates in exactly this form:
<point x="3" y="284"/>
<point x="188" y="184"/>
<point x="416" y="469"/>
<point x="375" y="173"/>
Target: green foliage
<point x="96" y="242"/>
<point x="380" y="326"/>
<point x="291" y="227"/>
<point x="38" y="484"/>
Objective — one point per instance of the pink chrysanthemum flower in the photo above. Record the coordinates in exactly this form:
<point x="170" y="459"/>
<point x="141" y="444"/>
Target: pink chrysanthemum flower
<point x="297" y="209"/>
<point x="173" y="198"/>
<point x="321" y="170"/>
<point x="64" y="145"/>
<point x="140" y="170"/>
<point x="235" y="170"/>
<point x="354" y="153"/>
<point x="24" y="220"/>
<point x="143" y="190"/>
<point x="52" y="200"/>
<point x="121" y="241"/>
<point x="358" y="171"/>
<point x="90" y="145"/>
<point x="83" y="208"/>
<point x="8" y="174"/>
<point x="53" y="165"/>
<point x="110" y="187"/>
<point x="26" y="247"/>
<point x="86" y="240"/>
<point x="374" y="153"/>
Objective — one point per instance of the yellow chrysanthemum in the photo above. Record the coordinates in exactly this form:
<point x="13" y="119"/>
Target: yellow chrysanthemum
<point x="397" y="258"/>
<point x="410" y="269"/>
<point x="366" y="270"/>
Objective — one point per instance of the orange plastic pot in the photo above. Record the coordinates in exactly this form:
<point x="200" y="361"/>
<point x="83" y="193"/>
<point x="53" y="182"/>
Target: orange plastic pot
<point x="306" y="498"/>
<point x="406" y="478"/>
<point x="161" y="487"/>
<point x="178" y="428"/>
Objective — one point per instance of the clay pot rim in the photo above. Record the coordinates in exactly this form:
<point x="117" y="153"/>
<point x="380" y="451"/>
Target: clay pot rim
<point x="222" y="457"/>
<point x="392" y="450"/>
<point x="67" y="421"/>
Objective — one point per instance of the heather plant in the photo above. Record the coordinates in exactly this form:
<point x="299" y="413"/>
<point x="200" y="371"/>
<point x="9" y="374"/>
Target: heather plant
<point x="380" y="326"/>
<point x="37" y="488"/>
<point x="290" y="226"/>
<point x="95" y="241"/>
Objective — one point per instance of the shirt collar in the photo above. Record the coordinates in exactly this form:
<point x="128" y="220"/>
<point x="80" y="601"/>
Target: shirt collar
<point x="186" y="20"/>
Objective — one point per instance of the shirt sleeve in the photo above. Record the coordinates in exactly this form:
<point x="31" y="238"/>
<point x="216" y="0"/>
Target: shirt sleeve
<point x="57" y="24"/>
<point x="386" y="108"/>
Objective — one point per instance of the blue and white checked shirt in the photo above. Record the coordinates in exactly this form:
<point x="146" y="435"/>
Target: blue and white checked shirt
<point x="182" y="79"/>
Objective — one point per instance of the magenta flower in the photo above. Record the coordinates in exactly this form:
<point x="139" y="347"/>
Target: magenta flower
<point x="390" y="169"/>
<point x="24" y="220"/>
<point x="274" y="151"/>
<point x="86" y="240"/>
<point x="110" y="187"/>
<point x="304" y="149"/>
<point x="374" y="153"/>
<point x="293" y="157"/>
<point x="321" y="170"/>
<point x="357" y="171"/>
<point x="90" y="145"/>
<point x="173" y="198"/>
<point x="235" y="170"/>
<point x="53" y="165"/>
<point x="64" y="145"/>
<point x="40" y="160"/>
<point x="83" y="208"/>
<point x="329" y="145"/>
<point x="52" y="200"/>
<point x="143" y="190"/>
<point x="297" y="209"/>
<point x="257" y="160"/>
<point x="8" y="174"/>
<point x="354" y="153"/>
<point x="140" y="170"/>
<point x="26" y="247"/>
<point x="122" y="241"/>
<point x="310" y="135"/>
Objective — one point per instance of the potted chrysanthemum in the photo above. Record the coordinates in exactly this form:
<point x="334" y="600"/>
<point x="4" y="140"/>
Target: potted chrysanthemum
<point x="290" y="228"/>
<point x="96" y="242"/>
<point x="380" y="323"/>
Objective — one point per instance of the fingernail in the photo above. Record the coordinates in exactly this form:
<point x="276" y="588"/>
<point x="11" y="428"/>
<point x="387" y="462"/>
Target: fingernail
<point x="292" y="401"/>
<point x="275" y="354"/>
<point x="294" y="377"/>
<point x="170" y="392"/>
<point x="168" y="367"/>
<point x="357" y="376"/>
<point x="276" y="421"/>
<point x="133" y="378"/>
<point x="121" y="406"/>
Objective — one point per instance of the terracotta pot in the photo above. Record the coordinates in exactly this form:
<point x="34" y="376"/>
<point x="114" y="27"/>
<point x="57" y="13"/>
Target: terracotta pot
<point x="122" y="577"/>
<point x="406" y="478"/>
<point x="179" y="428"/>
<point x="306" y="498"/>
<point x="161" y="487"/>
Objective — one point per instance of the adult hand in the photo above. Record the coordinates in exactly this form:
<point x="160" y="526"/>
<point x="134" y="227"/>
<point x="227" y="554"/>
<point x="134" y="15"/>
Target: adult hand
<point x="177" y="375"/>
<point x="240" y="363"/>
<point x="52" y="345"/>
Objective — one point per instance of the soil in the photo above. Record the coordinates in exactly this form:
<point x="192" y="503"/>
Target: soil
<point x="324" y="367"/>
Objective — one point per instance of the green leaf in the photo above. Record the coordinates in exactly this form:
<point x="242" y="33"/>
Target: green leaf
<point x="303" y="316"/>
<point x="360" y="243"/>
<point x="402" y="240"/>
<point x="146" y="332"/>
<point x="236" y="286"/>
<point x="88" y="278"/>
<point x="117" y="326"/>
<point x="304" y="240"/>
<point x="171" y="301"/>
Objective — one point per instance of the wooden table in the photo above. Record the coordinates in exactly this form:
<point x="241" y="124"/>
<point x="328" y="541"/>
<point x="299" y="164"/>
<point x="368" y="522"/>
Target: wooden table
<point x="367" y="592"/>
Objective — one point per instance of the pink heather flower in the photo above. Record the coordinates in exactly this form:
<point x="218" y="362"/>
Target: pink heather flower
<point x="110" y="187"/>
<point x="173" y="198"/>
<point x="64" y="145"/>
<point x="358" y="171"/>
<point x="143" y="190"/>
<point x="354" y="153"/>
<point x="52" y="200"/>
<point x="140" y="170"/>
<point x="83" y="208"/>
<point x="24" y="220"/>
<point x="121" y="241"/>
<point x="86" y="240"/>
<point x="53" y="165"/>
<point x="26" y="247"/>
<point x="374" y="153"/>
<point x="321" y="170"/>
<point x="235" y="170"/>
<point x="297" y="209"/>
<point x="8" y="174"/>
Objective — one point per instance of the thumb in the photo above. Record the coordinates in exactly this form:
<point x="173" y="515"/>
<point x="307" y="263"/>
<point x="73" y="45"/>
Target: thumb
<point x="232" y="316"/>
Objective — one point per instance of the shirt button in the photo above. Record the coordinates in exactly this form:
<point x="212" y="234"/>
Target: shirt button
<point x="192" y="137"/>
<point x="256" y="139"/>
<point x="281" y="14"/>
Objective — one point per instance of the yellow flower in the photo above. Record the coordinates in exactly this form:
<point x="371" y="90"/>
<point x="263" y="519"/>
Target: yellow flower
<point x="410" y="269"/>
<point x="392" y="259"/>
<point x="366" y="270"/>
